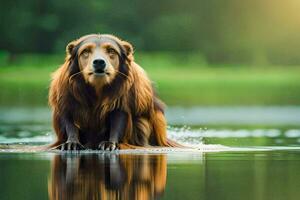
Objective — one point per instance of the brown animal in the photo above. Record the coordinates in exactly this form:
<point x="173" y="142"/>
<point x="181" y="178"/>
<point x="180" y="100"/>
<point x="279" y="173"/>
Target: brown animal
<point x="102" y="99"/>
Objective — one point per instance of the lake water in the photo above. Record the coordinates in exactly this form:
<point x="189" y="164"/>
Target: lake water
<point x="250" y="153"/>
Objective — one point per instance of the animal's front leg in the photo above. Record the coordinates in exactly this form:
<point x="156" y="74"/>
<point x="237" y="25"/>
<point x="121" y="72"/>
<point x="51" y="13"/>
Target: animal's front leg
<point x="118" y="121"/>
<point x="72" y="142"/>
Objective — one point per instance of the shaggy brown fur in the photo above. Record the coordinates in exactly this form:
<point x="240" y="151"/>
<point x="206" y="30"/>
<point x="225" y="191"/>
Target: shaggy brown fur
<point x="116" y="110"/>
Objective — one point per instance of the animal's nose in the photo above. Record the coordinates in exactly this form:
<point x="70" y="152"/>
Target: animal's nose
<point x="99" y="65"/>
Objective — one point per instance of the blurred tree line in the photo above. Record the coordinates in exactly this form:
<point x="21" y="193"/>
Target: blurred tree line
<point x="223" y="31"/>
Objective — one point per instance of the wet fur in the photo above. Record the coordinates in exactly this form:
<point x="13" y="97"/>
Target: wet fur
<point x="131" y="91"/>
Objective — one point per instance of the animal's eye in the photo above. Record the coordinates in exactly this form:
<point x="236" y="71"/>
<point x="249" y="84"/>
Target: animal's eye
<point x="85" y="53"/>
<point x="111" y="51"/>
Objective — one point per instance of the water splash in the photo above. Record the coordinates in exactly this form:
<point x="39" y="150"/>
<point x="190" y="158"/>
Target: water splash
<point x="40" y="134"/>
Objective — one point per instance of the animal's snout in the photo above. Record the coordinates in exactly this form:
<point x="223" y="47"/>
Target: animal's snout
<point x="99" y="65"/>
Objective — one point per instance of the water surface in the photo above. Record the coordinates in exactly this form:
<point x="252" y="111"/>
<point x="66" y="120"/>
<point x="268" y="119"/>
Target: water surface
<point x="227" y="162"/>
<point x="226" y="175"/>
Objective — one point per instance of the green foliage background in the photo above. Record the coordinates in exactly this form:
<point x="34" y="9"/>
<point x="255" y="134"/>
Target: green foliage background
<point x="198" y="52"/>
<point x="256" y="31"/>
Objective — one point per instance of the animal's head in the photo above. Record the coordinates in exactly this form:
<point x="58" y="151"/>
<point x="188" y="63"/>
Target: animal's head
<point x="99" y="58"/>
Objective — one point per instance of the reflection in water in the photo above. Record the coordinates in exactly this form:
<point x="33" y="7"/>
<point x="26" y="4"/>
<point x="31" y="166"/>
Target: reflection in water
<point x="107" y="176"/>
<point x="258" y="175"/>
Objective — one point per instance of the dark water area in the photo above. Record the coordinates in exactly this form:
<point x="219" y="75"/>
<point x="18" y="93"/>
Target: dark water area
<point x="234" y="161"/>
<point x="224" y="175"/>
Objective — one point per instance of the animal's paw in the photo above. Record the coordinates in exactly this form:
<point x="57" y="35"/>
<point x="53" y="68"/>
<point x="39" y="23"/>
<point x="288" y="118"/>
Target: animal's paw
<point x="108" y="146"/>
<point x="70" y="146"/>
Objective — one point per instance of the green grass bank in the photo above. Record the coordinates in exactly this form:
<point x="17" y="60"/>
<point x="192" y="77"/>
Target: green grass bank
<point x="180" y="80"/>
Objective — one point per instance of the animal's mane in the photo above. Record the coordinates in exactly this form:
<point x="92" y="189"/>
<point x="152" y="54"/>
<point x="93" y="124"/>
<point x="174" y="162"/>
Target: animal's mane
<point x="130" y="89"/>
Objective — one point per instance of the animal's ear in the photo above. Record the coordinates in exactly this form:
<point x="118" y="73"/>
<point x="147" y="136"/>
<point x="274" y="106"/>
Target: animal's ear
<point x="128" y="50"/>
<point x="70" y="47"/>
